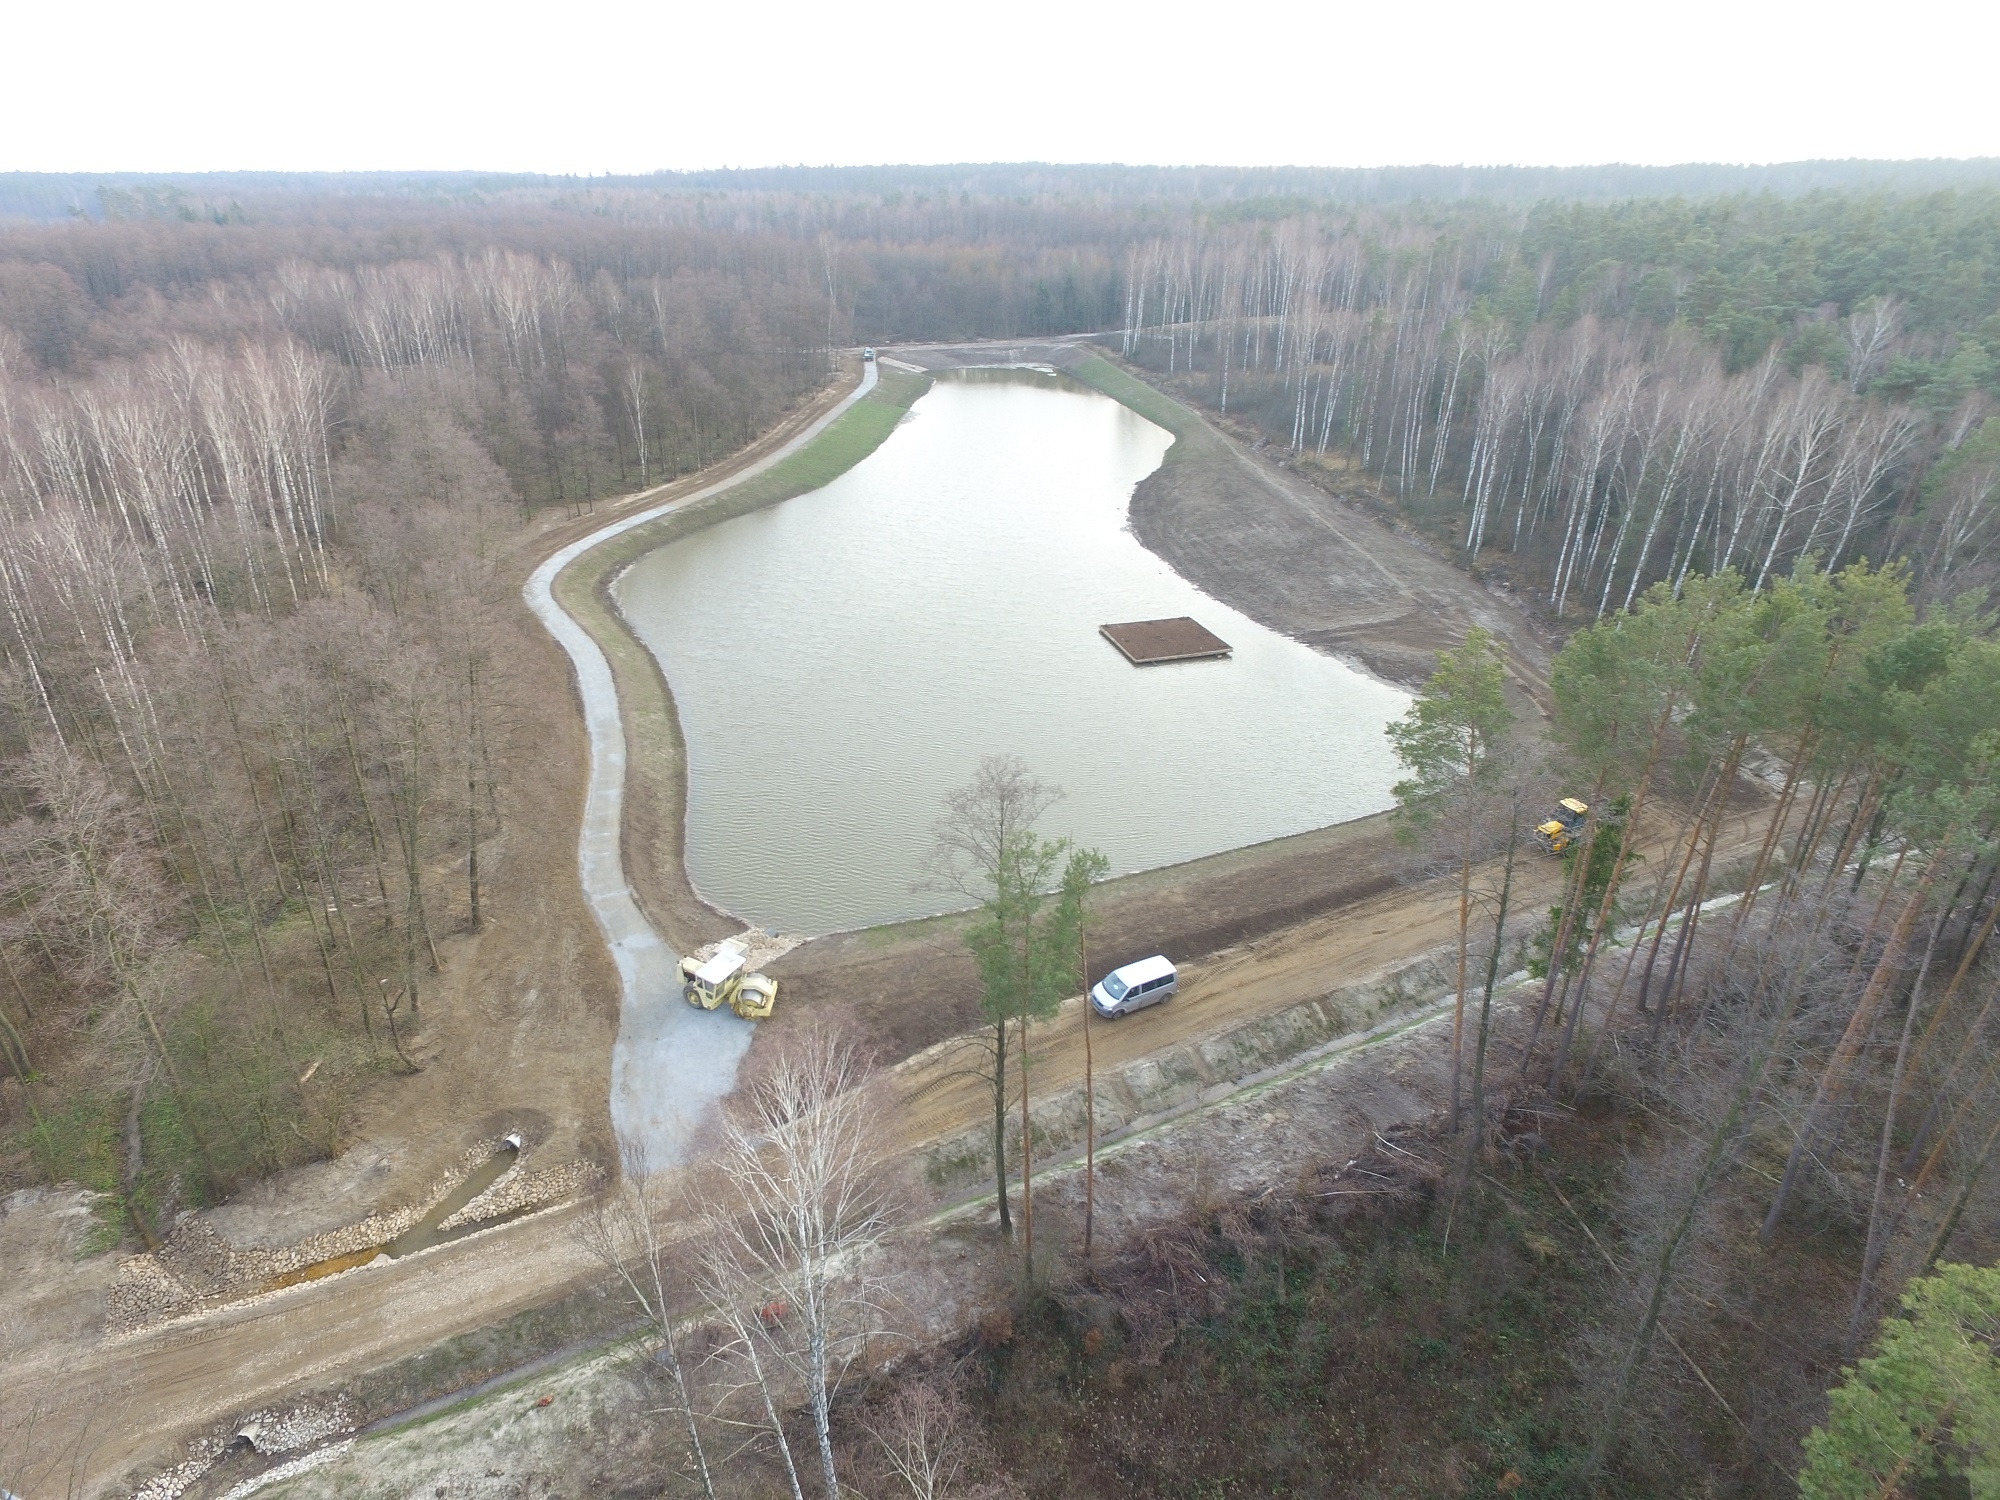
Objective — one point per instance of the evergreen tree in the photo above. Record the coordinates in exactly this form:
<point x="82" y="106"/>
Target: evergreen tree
<point x="1449" y="741"/>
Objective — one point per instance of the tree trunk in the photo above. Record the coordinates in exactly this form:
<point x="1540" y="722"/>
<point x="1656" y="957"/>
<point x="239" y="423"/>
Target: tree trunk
<point x="1832" y="1079"/>
<point x="1458" y="1000"/>
<point x="1089" y="1097"/>
<point x="135" y="1160"/>
<point x="1000" y="1124"/>
<point x="1774" y="831"/>
<point x="1714" y="1158"/>
<point x="1949" y="1224"/>
<point x="1477" y="1142"/>
<point x="821" y="1408"/>
<point x="749" y="1337"/>
<point x="1710" y="816"/>
<point x="367" y="806"/>
<point x="1877" y="1241"/>
<point x="1027" y="1165"/>
<point x="1978" y="1026"/>
<point x="1711" y="796"/>
<point x="1572" y="899"/>
<point x="1604" y="909"/>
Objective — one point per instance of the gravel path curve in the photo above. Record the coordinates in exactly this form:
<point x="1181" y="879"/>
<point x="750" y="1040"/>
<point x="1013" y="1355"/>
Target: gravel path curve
<point x="672" y="1063"/>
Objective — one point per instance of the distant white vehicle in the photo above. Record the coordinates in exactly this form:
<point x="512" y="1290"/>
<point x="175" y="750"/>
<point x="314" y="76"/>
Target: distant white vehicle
<point x="1134" y="987"/>
<point x="867" y="353"/>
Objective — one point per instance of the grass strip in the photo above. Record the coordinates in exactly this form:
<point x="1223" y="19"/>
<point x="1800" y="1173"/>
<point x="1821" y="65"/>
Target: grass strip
<point x="861" y="429"/>
<point x="1193" y="438"/>
<point x="655" y="811"/>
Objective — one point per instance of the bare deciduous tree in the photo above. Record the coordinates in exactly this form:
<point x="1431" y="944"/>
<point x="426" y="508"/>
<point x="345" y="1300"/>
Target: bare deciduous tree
<point x="629" y="1232"/>
<point x="974" y="843"/>
<point x="929" y="1439"/>
<point x="790" y="1236"/>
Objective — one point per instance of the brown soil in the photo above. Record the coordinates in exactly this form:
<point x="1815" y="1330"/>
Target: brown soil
<point x="1295" y="558"/>
<point x="1293" y="963"/>
<point x="952" y="1275"/>
<point x="902" y="989"/>
<point x="517" y="1034"/>
<point x="1315" y="564"/>
<point x="524" y="1017"/>
<point x="179" y="1376"/>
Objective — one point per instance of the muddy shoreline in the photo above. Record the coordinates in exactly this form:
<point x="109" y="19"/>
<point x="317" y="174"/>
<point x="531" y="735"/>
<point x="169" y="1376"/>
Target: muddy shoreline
<point x="1290" y="555"/>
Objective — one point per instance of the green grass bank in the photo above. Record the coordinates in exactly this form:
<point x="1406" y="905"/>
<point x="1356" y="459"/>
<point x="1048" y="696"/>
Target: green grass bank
<point x="655" y="826"/>
<point x="1193" y="438"/>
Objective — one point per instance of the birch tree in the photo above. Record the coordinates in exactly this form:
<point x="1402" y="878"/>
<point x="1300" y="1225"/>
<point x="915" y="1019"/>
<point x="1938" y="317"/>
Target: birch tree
<point x="807" y="1201"/>
<point x="629" y="1232"/>
<point x="978" y="847"/>
<point x="1449" y="741"/>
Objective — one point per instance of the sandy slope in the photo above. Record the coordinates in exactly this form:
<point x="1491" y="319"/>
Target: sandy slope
<point x="1270" y="929"/>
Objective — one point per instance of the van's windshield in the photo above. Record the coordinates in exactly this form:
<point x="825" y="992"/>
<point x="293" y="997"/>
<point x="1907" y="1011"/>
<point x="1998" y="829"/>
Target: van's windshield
<point x="1114" y="986"/>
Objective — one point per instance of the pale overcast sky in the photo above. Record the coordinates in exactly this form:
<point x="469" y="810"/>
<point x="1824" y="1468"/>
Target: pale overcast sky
<point x="616" y="86"/>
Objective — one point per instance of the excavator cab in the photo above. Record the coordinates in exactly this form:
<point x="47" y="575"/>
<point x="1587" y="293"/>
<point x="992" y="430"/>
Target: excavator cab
<point x="1560" y="831"/>
<point x="713" y="982"/>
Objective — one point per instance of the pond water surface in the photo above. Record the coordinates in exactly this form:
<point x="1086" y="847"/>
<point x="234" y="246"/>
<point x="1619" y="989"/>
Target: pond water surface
<point x="844" y="659"/>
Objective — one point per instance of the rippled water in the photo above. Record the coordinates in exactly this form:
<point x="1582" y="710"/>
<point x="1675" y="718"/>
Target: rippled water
<point x="842" y="660"/>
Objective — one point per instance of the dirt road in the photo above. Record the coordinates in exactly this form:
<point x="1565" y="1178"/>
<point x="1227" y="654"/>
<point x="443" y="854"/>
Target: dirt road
<point x="670" y="1064"/>
<point x="1278" y="925"/>
<point x="519" y="1035"/>
<point x="1287" y="968"/>
<point x="132" y="1394"/>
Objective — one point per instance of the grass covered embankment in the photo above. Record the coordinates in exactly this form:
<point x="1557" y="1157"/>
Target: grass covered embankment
<point x="655" y="826"/>
<point x="1193" y="438"/>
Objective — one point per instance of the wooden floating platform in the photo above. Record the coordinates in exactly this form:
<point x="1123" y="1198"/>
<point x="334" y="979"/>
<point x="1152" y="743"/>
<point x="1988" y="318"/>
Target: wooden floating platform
<point x="1147" y="643"/>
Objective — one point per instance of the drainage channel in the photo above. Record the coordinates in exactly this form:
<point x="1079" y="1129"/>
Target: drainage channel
<point x="425" y="1233"/>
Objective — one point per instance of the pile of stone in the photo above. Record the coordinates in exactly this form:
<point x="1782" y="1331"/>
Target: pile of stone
<point x="759" y="947"/>
<point x="168" y="1484"/>
<point x="196" y="1268"/>
<point x="297" y="1424"/>
<point x="292" y="1427"/>
<point x="144" y="1292"/>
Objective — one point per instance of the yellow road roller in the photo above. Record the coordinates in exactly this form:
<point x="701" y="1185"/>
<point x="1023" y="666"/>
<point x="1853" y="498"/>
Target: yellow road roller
<point x="720" y="980"/>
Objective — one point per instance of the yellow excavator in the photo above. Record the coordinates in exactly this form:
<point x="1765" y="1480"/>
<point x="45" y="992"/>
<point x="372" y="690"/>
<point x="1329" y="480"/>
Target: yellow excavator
<point x="1560" y="832"/>
<point x="720" y="980"/>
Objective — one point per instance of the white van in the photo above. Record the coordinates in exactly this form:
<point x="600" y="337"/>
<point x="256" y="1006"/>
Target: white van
<point x="1135" y="987"/>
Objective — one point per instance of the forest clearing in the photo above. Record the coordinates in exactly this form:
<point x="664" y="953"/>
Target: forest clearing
<point x="1210" y="905"/>
<point x="294" y="940"/>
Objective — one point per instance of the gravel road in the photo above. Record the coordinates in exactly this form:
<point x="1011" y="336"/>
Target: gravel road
<point x="128" y="1395"/>
<point x="672" y="1063"/>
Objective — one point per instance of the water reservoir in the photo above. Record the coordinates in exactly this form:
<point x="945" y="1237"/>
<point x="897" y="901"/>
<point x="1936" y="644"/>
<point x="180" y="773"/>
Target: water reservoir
<point x="841" y="660"/>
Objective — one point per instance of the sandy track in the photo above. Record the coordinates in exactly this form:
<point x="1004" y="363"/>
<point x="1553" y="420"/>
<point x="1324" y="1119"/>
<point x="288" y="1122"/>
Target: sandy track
<point x="133" y="1395"/>
<point x="123" y="1400"/>
<point x="671" y="1064"/>
<point x="135" y="1392"/>
<point x="1257" y="979"/>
